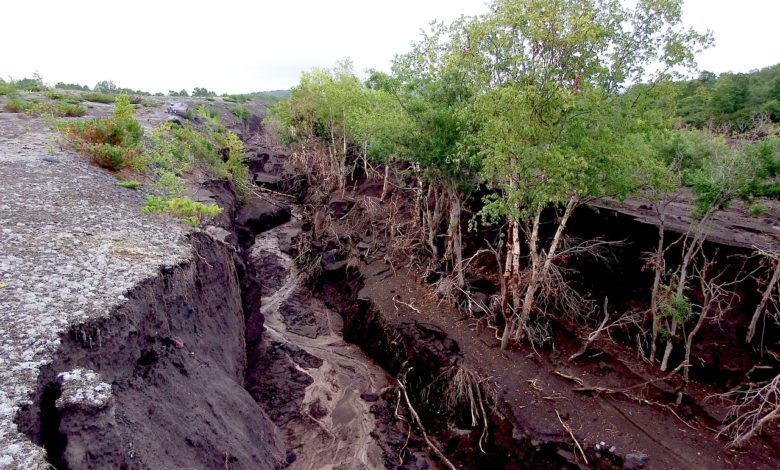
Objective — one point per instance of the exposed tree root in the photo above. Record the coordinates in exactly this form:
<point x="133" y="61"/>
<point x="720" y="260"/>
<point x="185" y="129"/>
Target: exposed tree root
<point x="419" y="423"/>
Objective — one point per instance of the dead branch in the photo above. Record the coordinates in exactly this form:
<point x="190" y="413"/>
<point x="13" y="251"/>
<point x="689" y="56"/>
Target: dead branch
<point x="773" y="283"/>
<point x="593" y="334"/>
<point x="417" y="420"/>
<point x="752" y="410"/>
<point x="395" y="300"/>
<point x="571" y="433"/>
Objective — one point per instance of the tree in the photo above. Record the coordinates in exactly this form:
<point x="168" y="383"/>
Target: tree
<point x="106" y="86"/>
<point x="434" y="89"/>
<point x="727" y="175"/>
<point x="202" y="92"/>
<point x="556" y="127"/>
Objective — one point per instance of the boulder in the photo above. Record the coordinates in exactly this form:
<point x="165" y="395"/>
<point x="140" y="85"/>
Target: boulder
<point x="635" y="461"/>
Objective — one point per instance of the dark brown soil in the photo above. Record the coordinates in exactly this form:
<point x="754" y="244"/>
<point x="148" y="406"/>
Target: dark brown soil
<point x="632" y="420"/>
<point x="731" y="226"/>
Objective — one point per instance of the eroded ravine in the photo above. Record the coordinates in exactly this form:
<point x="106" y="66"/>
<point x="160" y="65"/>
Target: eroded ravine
<point x="332" y="426"/>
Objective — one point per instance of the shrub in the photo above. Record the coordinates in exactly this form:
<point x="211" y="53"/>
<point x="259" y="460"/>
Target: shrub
<point x="111" y="142"/>
<point x="241" y="112"/>
<point x="54" y="109"/>
<point x="182" y="207"/>
<point x="130" y="184"/>
<point x="239" y="173"/>
<point x="98" y="98"/>
<point x="16" y="105"/>
<point x="107" y="156"/>
<point x="54" y="94"/>
<point x="236" y="98"/>
<point x="207" y="112"/>
<point x="169" y="184"/>
<point x="7" y="88"/>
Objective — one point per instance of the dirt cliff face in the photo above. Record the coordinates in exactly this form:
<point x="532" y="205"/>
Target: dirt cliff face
<point x="167" y="369"/>
<point x="122" y="336"/>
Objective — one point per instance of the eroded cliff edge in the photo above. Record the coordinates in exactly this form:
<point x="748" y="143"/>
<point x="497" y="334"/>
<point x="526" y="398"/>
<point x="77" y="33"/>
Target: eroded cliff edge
<point x="116" y="328"/>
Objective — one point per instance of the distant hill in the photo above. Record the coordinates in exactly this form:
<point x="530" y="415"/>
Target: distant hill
<point x="274" y="93"/>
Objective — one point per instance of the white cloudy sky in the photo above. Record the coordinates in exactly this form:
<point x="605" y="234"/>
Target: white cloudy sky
<point x="240" y="46"/>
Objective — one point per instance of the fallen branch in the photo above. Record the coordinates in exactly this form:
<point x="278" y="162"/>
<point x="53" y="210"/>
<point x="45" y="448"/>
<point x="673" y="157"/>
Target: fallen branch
<point x="395" y="299"/>
<point x="624" y="392"/>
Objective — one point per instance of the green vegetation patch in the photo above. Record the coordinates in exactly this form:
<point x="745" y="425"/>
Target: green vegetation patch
<point x="182" y="207"/>
<point x="50" y="109"/>
<point x="130" y="184"/>
<point x="113" y="142"/>
<point x="241" y="112"/>
<point x="99" y="97"/>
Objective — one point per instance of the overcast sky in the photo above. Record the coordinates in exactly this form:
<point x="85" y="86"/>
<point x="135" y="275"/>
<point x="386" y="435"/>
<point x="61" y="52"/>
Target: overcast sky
<point x="241" y="46"/>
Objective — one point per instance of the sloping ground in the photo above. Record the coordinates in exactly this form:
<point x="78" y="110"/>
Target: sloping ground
<point x="121" y="335"/>
<point x="732" y="226"/>
<point x="532" y="391"/>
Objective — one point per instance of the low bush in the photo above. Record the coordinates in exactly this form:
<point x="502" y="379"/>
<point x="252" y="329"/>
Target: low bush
<point x="182" y="207"/>
<point x="236" y="98"/>
<point x="7" y="88"/>
<point x="241" y="112"/>
<point x="99" y="98"/>
<point x="16" y="105"/>
<point x="130" y="184"/>
<point x="56" y="109"/>
<point x="53" y="94"/>
<point x="51" y="109"/>
<point x="112" y="142"/>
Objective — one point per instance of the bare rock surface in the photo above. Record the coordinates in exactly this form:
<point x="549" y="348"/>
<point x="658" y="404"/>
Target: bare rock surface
<point x="731" y="226"/>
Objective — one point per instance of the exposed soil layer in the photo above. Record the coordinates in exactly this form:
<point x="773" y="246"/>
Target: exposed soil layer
<point x="731" y="226"/>
<point x="172" y="359"/>
<point x="311" y="382"/>
<point x="631" y="422"/>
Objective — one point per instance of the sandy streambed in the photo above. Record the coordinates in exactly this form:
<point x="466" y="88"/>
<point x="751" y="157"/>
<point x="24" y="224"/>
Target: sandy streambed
<point x="326" y="421"/>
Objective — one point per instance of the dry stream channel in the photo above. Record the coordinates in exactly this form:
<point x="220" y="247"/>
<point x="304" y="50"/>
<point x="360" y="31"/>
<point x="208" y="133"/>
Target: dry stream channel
<point x="332" y="429"/>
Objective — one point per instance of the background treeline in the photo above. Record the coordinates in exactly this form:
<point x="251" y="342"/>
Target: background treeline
<point x="738" y="101"/>
<point x="108" y="87"/>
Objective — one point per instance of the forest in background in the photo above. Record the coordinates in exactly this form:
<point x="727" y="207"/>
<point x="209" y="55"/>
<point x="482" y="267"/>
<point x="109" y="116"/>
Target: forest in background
<point x="541" y="107"/>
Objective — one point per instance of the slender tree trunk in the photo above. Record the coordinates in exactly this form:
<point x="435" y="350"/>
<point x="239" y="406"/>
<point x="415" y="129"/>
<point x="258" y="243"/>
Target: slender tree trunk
<point x="365" y="158"/>
<point x="507" y="277"/>
<point x="689" y="252"/>
<point x="523" y="309"/>
<point x="434" y="219"/>
<point x="774" y="282"/>
<point x="659" y="267"/>
<point x="516" y="284"/>
<point x="386" y="181"/>
<point x="454" y="231"/>
<point x="539" y="272"/>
